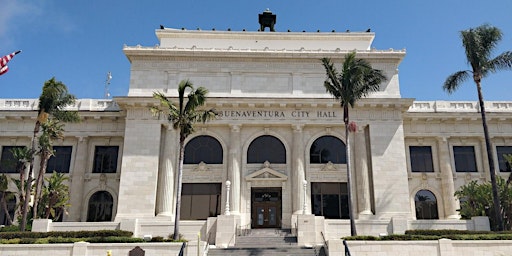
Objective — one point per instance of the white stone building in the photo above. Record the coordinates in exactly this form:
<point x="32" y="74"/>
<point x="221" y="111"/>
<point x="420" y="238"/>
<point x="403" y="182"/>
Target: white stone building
<point x="279" y="141"/>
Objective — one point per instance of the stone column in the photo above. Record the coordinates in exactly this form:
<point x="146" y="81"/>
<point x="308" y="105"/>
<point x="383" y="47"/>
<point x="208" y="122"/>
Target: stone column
<point x="485" y="160"/>
<point x="298" y="173"/>
<point x="361" y="168"/>
<point x="140" y="161"/>
<point x="447" y="184"/>
<point x="78" y="204"/>
<point x="234" y="168"/>
<point x="165" y="196"/>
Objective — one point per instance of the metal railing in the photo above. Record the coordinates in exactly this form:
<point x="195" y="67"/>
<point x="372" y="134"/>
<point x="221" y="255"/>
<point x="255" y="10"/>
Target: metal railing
<point x="347" y="251"/>
<point x="243" y="230"/>
<point x="207" y="244"/>
<point x="182" y="250"/>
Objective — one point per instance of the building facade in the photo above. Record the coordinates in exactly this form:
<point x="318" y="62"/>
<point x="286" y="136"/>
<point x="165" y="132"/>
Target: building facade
<point x="277" y="149"/>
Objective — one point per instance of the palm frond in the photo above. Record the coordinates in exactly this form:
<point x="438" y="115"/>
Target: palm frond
<point x="332" y="83"/>
<point x="196" y="98"/>
<point x="67" y="116"/>
<point x="501" y="62"/>
<point x="454" y="80"/>
<point x="479" y="43"/>
<point x="182" y="87"/>
<point x="489" y="37"/>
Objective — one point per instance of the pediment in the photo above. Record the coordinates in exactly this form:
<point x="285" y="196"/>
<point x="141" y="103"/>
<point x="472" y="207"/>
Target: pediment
<point x="266" y="174"/>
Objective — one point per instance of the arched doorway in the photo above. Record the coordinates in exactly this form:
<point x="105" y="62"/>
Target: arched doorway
<point x="266" y="202"/>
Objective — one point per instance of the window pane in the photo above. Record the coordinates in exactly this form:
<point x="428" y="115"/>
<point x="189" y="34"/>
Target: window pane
<point x="266" y="148"/>
<point x="426" y="205"/>
<point x="7" y="161"/>
<point x="328" y="148"/>
<point x="464" y="157"/>
<point x="503" y="150"/>
<point x="60" y="161"/>
<point x="105" y="159"/>
<point x="100" y="207"/>
<point x="200" y="200"/>
<point x="203" y="148"/>
<point x="421" y="159"/>
<point x="330" y="200"/>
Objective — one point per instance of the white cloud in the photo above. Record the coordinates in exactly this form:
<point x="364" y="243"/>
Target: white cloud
<point x="14" y="12"/>
<point x="19" y="17"/>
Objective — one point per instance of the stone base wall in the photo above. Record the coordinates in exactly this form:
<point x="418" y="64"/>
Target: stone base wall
<point x="88" y="249"/>
<point x="442" y="247"/>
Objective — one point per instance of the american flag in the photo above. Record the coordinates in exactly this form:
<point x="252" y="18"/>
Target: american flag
<point x="3" y="62"/>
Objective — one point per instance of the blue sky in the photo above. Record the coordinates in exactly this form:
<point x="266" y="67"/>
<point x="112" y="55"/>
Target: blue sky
<point x="79" y="41"/>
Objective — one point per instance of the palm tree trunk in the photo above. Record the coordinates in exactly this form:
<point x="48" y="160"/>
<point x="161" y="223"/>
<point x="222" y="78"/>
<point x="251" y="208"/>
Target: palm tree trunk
<point x="24" y="210"/>
<point x="6" y="209"/>
<point x="45" y="156"/>
<point x="21" y="193"/>
<point x="178" y="190"/>
<point x="353" y="231"/>
<point x="495" y="195"/>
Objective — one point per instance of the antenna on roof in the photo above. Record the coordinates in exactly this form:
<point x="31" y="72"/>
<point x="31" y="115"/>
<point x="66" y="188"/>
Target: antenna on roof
<point x="107" y="84"/>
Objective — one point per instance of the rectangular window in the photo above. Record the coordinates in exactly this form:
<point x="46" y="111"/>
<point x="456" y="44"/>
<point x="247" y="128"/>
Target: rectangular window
<point x="200" y="201"/>
<point x="61" y="160"/>
<point x="7" y="161"/>
<point x="464" y="157"/>
<point x="330" y="200"/>
<point x="105" y="159"/>
<point x="503" y="150"/>
<point x="421" y="159"/>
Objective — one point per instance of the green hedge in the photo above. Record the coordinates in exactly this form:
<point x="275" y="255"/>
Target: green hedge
<point x="63" y="240"/>
<point x="66" y="234"/>
<point x="452" y="236"/>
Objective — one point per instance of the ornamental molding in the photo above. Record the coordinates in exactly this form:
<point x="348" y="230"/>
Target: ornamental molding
<point x="266" y="174"/>
<point x="328" y="167"/>
<point x="201" y="167"/>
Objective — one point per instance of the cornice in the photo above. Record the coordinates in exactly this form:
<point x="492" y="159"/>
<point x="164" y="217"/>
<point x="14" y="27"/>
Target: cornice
<point x="235" y="102"/>
<point x="157" y="53"/>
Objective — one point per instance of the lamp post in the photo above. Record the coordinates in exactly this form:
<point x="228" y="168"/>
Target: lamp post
<point x="304" y="206"/>
<point x="228" y="185"/>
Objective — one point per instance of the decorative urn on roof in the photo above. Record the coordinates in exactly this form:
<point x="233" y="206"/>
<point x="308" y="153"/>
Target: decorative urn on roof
<point x="267" y="19"/>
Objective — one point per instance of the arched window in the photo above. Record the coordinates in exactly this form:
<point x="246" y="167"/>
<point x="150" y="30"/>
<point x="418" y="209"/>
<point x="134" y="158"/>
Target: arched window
<point x="10" y="203"/>
<point x="426" y="205"/>
<point x="100" y="207"/>
<point x="203" y="149"/>
<point x="266" y="148"/>
<point x="327" y="148"/>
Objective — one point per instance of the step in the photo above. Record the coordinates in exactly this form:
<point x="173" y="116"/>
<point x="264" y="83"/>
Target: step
<point x="263" y="251"/>
<point x="260" y="242"/>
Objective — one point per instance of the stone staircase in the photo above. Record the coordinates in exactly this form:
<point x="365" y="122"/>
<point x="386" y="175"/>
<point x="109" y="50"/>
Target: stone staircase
<point x="263" y="242"/>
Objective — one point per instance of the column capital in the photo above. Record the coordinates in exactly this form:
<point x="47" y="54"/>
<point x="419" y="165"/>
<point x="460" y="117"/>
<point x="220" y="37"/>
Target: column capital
<point x="442" y="139"/>
<point x="82" y="139"/>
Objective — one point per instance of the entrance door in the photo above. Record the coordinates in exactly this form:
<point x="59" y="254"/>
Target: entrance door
<point x="266" y="207"/>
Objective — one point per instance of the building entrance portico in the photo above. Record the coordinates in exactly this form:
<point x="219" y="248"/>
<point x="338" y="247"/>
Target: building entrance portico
<point x="266" y="205"/>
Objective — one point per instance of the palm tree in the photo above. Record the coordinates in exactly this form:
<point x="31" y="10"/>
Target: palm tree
<point x="356" y="80"/>
<point x="54" y="200"/>
<point x="479" y="43"/>
<point x="52" y="130"/>
<point x="53" y="99"/>
<point x="183" y="118"/>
